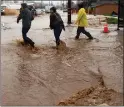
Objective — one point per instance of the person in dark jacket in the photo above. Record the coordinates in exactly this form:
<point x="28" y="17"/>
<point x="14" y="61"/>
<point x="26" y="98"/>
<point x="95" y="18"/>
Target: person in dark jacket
<point x="26" y="16"/>
<point x="56" y="23"/>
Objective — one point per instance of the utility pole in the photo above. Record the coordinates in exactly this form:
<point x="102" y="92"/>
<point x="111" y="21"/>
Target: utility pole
<point x="88" y="6"/>
<point x="118" y="14"/>
<point x="69" y="11"/>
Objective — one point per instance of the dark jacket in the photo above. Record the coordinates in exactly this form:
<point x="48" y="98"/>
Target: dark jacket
<point x="33" y="10"/>
<point x="26" y="17"/>
<point x="56" y="20"/>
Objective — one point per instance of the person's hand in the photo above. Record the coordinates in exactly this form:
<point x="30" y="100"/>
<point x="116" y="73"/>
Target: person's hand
<point x="76" y="22"/>
<point x="17" y="21"/>
<point x="50" y="27"/>
<point x="64" y="28"/>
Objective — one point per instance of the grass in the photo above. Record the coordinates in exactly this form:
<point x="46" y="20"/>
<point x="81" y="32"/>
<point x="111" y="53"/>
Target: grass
<point x="107" y="14"/>
<point x="112" y="20"/>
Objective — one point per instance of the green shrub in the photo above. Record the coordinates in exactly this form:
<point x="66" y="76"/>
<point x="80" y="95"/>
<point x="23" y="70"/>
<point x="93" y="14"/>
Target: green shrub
<point x="112" y="20"/>
<point x="107" y="14"/>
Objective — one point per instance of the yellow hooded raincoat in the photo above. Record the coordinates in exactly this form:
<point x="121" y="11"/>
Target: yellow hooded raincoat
<point x="82" y="18"/>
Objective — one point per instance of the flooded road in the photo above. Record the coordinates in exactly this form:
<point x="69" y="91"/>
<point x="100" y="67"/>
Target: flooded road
<point x="47" y="76"/>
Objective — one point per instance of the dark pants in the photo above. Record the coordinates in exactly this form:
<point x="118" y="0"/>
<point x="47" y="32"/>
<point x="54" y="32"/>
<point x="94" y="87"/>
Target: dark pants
<point x="57" y="33"/>
<point x="25" y="38"/>
<point x="82" y="30"/>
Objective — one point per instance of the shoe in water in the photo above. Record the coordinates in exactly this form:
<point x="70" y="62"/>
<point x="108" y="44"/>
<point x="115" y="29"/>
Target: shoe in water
<point x="90" y="38"/>
<point x="76" y="37"/>
<point x="32" y="45"/>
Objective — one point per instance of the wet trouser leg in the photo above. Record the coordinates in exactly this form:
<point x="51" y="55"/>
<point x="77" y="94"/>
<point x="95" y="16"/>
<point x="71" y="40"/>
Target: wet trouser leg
<point x="57" y="33"/>
<point x="78" y="32"/>
<point x="82" y="30"/>
<point x="24" y="34"/>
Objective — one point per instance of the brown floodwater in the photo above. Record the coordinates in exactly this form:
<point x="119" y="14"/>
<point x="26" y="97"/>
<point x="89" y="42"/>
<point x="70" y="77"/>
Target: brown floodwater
<point x="47" y="76"/>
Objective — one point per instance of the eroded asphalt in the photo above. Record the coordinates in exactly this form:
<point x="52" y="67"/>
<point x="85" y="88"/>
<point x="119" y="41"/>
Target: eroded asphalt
<point x="47" y="76"/>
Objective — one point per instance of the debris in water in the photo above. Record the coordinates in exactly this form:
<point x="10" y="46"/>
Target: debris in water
<point x="66" y="64"/>
<point x="19" y="41"/>
<point x="104" y="104"/>
<point x="62" y="45"/>
<point x="94" y="96"/>
<point x="45" y="53"/>
<point x="77" y="96"/>
<point x="34" y="56"/>
<point x="4" y="27"/>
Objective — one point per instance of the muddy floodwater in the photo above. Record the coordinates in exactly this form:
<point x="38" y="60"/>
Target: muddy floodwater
<point x="48" y="76"/>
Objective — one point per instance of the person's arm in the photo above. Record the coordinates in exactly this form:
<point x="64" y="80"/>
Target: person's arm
<point x="32" y="15"/>
<point x="62" y="23"/>
<point x="20" y="16"/>
<point x="63" y="26"/>
<point x="51" y="21"/>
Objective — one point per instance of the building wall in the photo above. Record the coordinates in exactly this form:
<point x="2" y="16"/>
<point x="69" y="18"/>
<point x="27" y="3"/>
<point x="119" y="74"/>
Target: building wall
<point x="106" y="9"/>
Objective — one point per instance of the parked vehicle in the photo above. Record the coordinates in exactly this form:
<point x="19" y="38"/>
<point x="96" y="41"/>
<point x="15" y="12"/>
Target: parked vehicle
<point x="39" y="11"/>
<point x="43" y="10"/>
<point x="14" y="6"/>
<point x="3" y="10"/>
<point x="3" y="7"/>
<point x="9" y="6"/>
<point x="65" y="10"/>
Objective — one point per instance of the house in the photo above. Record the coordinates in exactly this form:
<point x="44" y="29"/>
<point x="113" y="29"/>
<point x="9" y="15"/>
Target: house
<point x="103" y="7"/>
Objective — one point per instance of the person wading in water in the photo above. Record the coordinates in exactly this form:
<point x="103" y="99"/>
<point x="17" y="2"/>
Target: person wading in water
<point x="56" y="23"/>
<point x="27" y="17"/>
<point x="82" y="22"/>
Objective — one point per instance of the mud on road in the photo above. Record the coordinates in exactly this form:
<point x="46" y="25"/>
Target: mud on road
<point x="94" y="96"/>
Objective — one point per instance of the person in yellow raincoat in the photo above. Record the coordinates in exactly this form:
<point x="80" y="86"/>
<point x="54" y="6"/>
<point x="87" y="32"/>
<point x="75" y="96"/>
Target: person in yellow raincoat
<point x="82" y="22"/>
